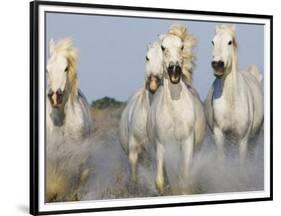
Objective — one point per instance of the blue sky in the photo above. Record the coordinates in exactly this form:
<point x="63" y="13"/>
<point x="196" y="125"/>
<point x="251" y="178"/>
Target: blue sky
<point x="112" y="50"/>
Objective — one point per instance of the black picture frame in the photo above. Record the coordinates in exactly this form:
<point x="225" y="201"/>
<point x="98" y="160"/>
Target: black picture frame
<point x="34" y="103"/>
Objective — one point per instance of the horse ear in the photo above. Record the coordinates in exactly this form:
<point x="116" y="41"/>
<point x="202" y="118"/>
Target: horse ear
<point x="217" y="28"/>
<point x="51" y="46"/>
<point x="232" y="27"/>
<point x="161" y="36"/>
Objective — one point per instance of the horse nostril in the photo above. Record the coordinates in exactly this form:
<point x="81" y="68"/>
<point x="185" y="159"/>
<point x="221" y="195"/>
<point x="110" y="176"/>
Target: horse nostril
<point x="59" y="92"/>
<point x="220" y="64"/>
<point x="217" y="64"/>
<point x="214" y="64"/>
<point x="50" y="93"/>
<point x="178" y="69"/>
<point x="170" y="68"/>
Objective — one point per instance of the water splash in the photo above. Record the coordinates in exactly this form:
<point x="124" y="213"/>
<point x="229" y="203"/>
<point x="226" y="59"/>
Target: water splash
<point x="110" y="171"/>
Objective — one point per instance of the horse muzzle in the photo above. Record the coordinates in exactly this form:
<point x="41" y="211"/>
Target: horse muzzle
<point x="56" y="98"/>
<point x="153" y="82"/>
<point x="174" y="72"/>
<point x="219" y="68"/>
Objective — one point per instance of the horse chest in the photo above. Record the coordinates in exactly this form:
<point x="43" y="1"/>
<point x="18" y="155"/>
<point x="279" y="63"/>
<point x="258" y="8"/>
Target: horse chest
<point x="176" y="121"/>
<point x="222" y="113"/>
<point x="74" y="126"/>
<point x="230" y="117"/>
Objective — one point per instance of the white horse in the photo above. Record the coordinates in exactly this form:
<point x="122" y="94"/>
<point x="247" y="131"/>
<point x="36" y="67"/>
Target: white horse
<point x="68" y="121"/>
<point x="176" y="118"/>
<point x="132" y="128"/>
<point x="234" y="104"/>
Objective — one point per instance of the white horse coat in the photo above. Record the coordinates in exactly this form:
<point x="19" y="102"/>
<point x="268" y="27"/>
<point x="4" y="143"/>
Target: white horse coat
<point x="68" y="122"/>
<point x="235" y="101"/>
<point x="176" y="118"/>
<point x="132" y="129"/>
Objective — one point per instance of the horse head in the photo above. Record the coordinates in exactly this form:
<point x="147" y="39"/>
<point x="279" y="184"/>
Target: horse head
<point x="61" y="72"/>
<point x="224" y="50"/>
<point x="172" y="47"/>
<point x="154" y="67"/>
<point x="177" y="46"/>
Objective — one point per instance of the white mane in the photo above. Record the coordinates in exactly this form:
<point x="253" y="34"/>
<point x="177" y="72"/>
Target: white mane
<point x="65" y="47"/>
<point x="189" y="42"/>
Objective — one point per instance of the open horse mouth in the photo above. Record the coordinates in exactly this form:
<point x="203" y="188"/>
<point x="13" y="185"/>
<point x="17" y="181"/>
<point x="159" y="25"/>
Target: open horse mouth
<point x="152" y="84"/>
<point x="175" y="73"/>
<point x="55" y="98"/>
<point x="219" y="74"/>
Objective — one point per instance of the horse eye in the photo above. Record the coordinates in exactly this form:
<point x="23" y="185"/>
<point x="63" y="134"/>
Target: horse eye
<point x="66" y="69"/>
<point x="182" y="47"/>
<point x="213" y="42"/>
<point x="230" y="42"/>
<point x="162" y="47"/>
<point x="147" y="59"/>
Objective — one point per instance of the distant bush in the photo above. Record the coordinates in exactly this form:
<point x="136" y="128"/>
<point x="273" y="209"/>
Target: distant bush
<point x="106" y="102"/>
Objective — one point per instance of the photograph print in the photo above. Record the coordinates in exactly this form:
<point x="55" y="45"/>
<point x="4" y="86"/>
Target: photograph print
<point x="141" y="107"/>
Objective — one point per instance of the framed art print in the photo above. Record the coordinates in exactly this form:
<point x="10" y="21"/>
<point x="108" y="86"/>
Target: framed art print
<point x="135" y="107"/>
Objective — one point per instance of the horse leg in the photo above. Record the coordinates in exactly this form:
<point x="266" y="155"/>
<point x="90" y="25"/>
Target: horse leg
<point x="243" y="149"/>
<point x="219" y="139"/>
<point x="188" y="150"/>
<point x="84" y="173"/>
<point x="188" y="147"/>
<point x="133" y="158"/>
<point x="160" y="168"/>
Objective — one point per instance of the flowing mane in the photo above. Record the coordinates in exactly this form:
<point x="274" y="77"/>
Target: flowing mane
<point x="189" y="42"/>
<point x="65" y="47"/>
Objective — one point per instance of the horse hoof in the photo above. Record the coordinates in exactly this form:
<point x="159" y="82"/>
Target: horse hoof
<point x="160" y="187"/>
<point x="84" y="175"/>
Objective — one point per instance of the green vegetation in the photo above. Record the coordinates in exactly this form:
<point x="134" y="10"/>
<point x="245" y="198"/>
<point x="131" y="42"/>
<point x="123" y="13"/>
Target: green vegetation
<point x="106" y="102"/>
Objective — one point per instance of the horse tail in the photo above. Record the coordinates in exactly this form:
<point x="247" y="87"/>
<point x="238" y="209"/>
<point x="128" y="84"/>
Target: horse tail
<point x="255" y="72"/>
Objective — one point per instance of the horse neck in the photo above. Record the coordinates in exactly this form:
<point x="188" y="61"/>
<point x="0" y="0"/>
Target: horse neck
<point x="230" y="82"/>
<point x="172" y="91"/>
<point x="59" y="115"/>
<point x="71" y="103"/>
<point x="149" y="97"/>
<point x="146" y="97"/>
<point x="72" y="93"/>
<point x="166" y="86"/>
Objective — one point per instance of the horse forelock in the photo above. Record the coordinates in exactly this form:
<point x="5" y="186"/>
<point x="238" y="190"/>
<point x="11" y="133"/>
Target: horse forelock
<point x="229" y="29"/>
<point x="189" y="42"/>
<point x="65" y="47"/>
<point x="155" y="44"/>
